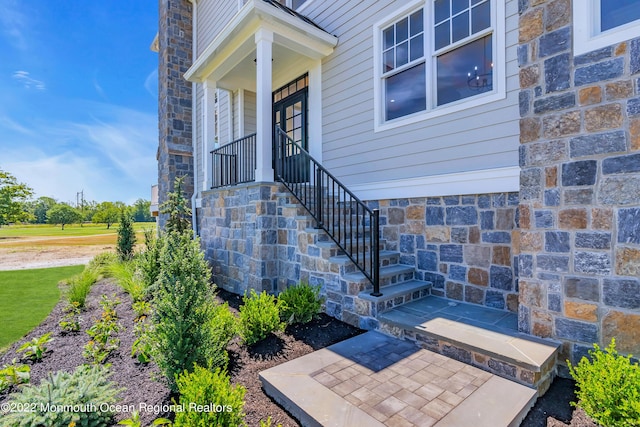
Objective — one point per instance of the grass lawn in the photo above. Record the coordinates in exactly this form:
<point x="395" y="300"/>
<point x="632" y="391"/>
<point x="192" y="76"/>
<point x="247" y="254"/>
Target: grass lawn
<point x="47" y="230"/>
<point x="27" y="297"/>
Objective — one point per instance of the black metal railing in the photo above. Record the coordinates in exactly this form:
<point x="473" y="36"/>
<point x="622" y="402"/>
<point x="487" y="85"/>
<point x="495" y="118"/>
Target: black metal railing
<point x="234" y="163"/>
<point x="351" y="224"/>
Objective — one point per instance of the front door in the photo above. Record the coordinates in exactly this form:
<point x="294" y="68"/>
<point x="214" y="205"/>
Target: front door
<point x="290" y="114"/>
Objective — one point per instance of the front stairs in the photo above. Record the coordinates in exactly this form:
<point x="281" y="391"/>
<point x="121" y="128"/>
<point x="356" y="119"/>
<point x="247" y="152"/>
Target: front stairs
<point x="476" y="335"/>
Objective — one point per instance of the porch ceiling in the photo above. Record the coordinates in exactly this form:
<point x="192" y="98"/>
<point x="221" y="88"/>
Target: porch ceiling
<point x="229" y="58"/>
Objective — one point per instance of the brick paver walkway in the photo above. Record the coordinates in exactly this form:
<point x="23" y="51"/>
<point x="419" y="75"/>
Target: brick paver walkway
<point x="374" y="380"/>
<point x="401" y="385"/>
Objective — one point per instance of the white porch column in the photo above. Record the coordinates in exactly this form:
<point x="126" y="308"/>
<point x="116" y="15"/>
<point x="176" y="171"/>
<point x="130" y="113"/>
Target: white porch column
<point x="208" y="130"/>
<point x="264" y="107"/>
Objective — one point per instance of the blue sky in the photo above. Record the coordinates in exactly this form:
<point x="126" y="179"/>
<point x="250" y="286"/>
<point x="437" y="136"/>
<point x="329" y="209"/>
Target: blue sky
<point x="78" y="97"/>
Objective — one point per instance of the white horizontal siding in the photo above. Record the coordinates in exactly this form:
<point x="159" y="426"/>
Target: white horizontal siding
<point x="477" y="138"/>
<point x="198" y="135"/>
<point x="249" y="112"/>
<point x="212" y="16"/>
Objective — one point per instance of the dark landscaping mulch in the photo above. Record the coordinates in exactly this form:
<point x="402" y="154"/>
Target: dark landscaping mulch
<point x="144" y="383"/>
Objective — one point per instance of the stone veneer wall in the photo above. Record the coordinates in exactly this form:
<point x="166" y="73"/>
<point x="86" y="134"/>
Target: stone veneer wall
<point x="175" y="157"/>
<point x="257" y="237"/>
<point x="462" y="244"/>
<point x="580" y="185"/>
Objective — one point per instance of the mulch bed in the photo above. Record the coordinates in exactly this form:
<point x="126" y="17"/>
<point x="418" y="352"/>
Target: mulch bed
<point x="143" y="383"/>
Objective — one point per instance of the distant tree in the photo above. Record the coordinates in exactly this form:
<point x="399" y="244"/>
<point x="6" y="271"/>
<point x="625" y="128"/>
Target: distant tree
<point x="126" y="236"/>
<point x="141" y="211"/>
<point x="107" y="213"/>
<point x="13" y="194"/>
<point x="89" y="209"/>
<point x="40" y="208"/>
<point x="63" y="214"/>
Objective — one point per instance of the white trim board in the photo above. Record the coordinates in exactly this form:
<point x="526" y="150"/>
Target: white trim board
<point x="486" y="181"/>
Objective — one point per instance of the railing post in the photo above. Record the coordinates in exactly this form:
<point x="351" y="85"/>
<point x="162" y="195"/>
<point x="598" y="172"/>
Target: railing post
<point x="213" y="170"/>
<point x="319" y="198"/>
<point x="375" y="244"/>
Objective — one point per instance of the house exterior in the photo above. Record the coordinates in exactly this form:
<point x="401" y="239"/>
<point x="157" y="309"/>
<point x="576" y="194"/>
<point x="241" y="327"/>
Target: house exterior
<point x="497" y="142"/>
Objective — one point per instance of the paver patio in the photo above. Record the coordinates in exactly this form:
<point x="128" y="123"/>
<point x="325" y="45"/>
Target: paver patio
<point x="377" y="380"/>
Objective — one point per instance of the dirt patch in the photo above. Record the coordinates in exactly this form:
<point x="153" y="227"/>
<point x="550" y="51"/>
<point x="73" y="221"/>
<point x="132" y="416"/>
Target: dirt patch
<point x="18" y="258"/>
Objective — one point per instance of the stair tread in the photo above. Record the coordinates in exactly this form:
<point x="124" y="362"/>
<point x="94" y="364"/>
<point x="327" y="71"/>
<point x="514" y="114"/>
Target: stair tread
<point x="391" y="291"/>
<point x="390" y="270"/>
<point x="476" y="328"/>
<point x="343" y="259"/>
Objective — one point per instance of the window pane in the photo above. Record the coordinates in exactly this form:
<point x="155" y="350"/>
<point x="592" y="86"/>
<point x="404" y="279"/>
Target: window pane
<point x="480" y="17"/>
<point x="476" y="1"/>
<point x="416" y="47"/>
<point x="405" y="92"/>
<point x="442" y="35"/>
<point x="441" y="8"/>
<point x="459" y="6"/>
<point x="297" y="3"/>
<point x="416" y="23"/>
<point x="456" y="74"/>
<point x="460" y="27"/>
<point x="388" y="60"/>
<point x="402" y="54"/>
<point x="614" y="13"/>
<point x="387" y="36"/>
<point x="402" y="30"/>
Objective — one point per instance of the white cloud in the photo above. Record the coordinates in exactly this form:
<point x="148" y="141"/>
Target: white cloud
<point x="110" y="156"/>
<point x="151" y="84"/>
<point x="27" y="81"/>
<point x="13" y="23"/>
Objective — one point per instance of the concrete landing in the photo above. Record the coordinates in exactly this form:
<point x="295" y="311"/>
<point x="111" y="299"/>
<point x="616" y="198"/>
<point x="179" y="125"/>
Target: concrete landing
<point x="377" y="380"/>
<point x="477" y="335"/>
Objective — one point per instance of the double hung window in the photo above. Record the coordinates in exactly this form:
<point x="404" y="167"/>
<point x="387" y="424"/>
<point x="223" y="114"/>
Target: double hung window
<point x="437" y="54"/>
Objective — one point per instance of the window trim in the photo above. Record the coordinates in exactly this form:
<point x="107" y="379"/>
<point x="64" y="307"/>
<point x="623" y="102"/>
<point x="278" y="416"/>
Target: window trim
<point x="498" y="29"/>
<point x="587" y="36"/>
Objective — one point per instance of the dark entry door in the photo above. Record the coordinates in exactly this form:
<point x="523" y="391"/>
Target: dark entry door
<point x="290" y="114"/>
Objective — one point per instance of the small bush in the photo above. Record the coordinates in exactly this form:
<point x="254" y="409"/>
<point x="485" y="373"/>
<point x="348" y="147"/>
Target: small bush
<point x="36" y="348"/>
<point x="129" y="279"/>
<point x="14" y="374"/>
<point x="148" y="261"/>
<point x="126" y="236"/>
<point x="608" y="387"/>
<point x="225" y="403"/>
<point x="182" y="305"/>
<point x="223" y="327"/>
<point x="78" y="286"/>
<point x="70" y="321"/>
<point x="300" y="303"/>
<point x="102" y="262"/>
<point x="85" y="386"/>
<point x="259" y="316"/>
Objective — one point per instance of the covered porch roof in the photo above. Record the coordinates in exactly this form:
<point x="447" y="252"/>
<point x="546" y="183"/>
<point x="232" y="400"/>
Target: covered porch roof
<point x="229" y="59"/>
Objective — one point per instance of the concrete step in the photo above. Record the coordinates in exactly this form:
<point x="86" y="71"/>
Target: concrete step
<point x="375" y="380"/>
<point x="392" y="296"/>
<point x="476" y="335"/>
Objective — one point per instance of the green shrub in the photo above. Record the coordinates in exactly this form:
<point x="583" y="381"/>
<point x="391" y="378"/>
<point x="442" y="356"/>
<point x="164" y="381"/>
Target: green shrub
<point x="223" y="327"/>
<point x="182" y="305"/>
<point x="103" y="342"/>
<point x="126" y="236"/>
<point x="259" y="316"/>
<point x="36" y="348"/>
<point x="78" y="286"/>
<point x="177" y="208"/>
<point x="85" y="386"/>
<point x="608" y="387"/>
<point x="102" y="262"/>
<point x="300" y="303"/>
<point x="148" y="261"/>
<point x="225" y="403"/>
<point x="70" y="321"/>
<point x="14" y="374"/>
<point x="129" y="279"/>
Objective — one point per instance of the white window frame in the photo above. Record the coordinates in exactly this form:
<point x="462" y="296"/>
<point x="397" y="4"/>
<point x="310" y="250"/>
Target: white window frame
<point x="498" y="92"/>
<point x="587" y="36"/>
